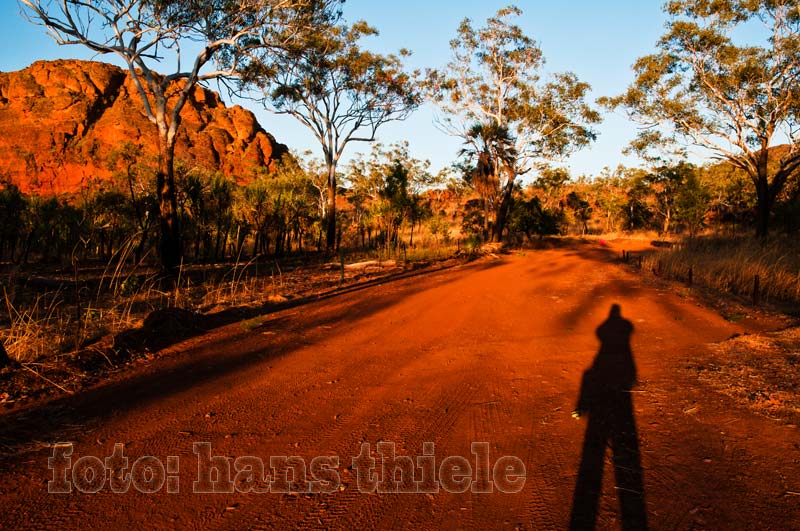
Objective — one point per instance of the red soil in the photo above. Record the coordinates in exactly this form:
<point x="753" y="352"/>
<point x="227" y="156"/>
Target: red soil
<point x="494" y="351"/>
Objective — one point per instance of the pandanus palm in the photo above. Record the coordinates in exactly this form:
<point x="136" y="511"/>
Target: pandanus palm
<point x="492" y="147"/>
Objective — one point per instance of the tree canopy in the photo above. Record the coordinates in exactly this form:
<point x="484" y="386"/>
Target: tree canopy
<point x="494" y="82"/>
<point x="705" y="89"/>
<point x="198" y="41"/>
<point x="340" y="91"/>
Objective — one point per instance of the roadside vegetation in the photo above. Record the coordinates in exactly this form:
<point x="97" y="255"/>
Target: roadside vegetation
<point x="77" y="267"/>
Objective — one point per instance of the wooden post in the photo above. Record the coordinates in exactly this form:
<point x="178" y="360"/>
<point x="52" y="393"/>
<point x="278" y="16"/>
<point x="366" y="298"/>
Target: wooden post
<point x="756" y="290"/>
<point x="341" y="263"/>
<point x="4" y="359"/>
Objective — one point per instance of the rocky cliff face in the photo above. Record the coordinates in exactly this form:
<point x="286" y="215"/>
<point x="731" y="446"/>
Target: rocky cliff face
<point x="61" y="121"/>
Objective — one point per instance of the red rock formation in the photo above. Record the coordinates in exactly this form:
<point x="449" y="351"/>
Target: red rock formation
<point x="60" y="121"/>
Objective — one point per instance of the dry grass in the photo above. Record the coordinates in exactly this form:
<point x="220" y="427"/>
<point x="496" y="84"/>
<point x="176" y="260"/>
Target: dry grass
<point x="730" y="266"/>
<point x="35" y="329"/>
<point x="761" y="371"/>
<point x="44" y="326"/>
<point x="51" y="325"/>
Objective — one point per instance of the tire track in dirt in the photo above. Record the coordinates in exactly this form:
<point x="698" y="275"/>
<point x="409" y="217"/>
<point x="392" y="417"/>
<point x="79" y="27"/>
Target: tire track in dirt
<point x="176" y="419"/>
<point x="340" y="439"/>
<point x="488" y="353"/>
<point x="435" y="408"/>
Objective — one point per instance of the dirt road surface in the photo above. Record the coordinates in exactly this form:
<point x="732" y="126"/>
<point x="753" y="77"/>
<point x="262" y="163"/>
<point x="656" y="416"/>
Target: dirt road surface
<point x="494" y="351"/>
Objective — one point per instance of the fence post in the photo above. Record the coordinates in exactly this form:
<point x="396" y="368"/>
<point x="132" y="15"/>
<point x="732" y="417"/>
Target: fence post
<point x="4" y="359"/>
<point x="756" y="290"/>
<point x="341" y="263"/>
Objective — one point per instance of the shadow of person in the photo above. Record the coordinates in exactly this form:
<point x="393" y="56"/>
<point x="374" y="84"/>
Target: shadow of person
<point x="605" y="398"/>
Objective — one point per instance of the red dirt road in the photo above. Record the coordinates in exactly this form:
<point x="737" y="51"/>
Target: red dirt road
<point x="492" y="351"/>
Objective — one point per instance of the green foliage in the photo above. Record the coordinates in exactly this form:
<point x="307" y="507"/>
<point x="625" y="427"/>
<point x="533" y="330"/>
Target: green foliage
<point x="669" y="198"/>
<point x="638" y="214"/>
<point x="387" y="191"/>
<point x="529" y="218"/>
<point x="577" y="210"/>
<point x="280" y="207"/>
<point x="13" y="206"/>
<point x="111" y="219"/>
<point x="677" y="195"/>
<point x="692" y="203"/>
<point x="551" y="183"/>
<point x="440" y="228"/>
<point x="53" y="229"/>
<point x="472" y="219"/>
<point x="609" y="196"/>
<point x="735" y="100"/>
<point x="515" y="118"/>
<point x="340" y="91"/>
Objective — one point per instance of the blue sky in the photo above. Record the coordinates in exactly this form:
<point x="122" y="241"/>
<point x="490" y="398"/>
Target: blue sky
<point x="596" y="40"/>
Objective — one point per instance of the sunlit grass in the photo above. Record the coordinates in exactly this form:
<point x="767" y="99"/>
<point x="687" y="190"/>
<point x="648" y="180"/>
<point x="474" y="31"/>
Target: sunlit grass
<point x="731" y="266"/>
<point x="48" y="324"/>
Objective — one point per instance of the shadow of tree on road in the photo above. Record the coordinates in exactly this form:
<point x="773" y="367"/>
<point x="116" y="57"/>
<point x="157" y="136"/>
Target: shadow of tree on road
<point x="605" y="398"/>
<point x="211" y="359"/>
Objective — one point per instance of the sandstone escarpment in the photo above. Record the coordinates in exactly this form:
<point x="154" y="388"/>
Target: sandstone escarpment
<point x="60" y="121"/>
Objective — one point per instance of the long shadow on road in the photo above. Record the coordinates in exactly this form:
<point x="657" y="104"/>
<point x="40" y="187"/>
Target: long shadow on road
<point x="199" y="365"/>
<point x="605" y="398"/>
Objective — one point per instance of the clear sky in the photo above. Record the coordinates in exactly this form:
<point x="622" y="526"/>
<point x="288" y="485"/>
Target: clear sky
<point x="596" y="40"/>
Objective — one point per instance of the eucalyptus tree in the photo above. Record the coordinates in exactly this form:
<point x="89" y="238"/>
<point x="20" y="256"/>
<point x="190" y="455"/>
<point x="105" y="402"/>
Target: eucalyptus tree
<point x="341" y="92"/>
<point x="494" y="80"/>
<point x="710" y="86"/>
<point x="198" y="41"/>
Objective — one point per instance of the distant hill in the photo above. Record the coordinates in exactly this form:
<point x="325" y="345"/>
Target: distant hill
<point x="60" y="121"/>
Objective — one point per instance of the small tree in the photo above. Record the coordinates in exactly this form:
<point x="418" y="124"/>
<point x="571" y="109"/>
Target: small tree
<point x="638" y="214"/>
<point x="492" y="147"/>
<point x="551" y="183"/>
<point x="144" y="33"/>
<point x="135" y="180"/>
<point x="734" y="100"/>
<point x="732" y="201"/>
<point x="386" y="188"/>
<point x="580" y="209"/>
<point x="530" y="218"/>
<point x="494" y="80"/>
<point x="667" y="184"/>
<point x="692" y="203"/>
<point x="293" y="204"/>
<point x="339" y="91"/>
<point x="608" y="192"/>
<point x="13" y="208"/>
